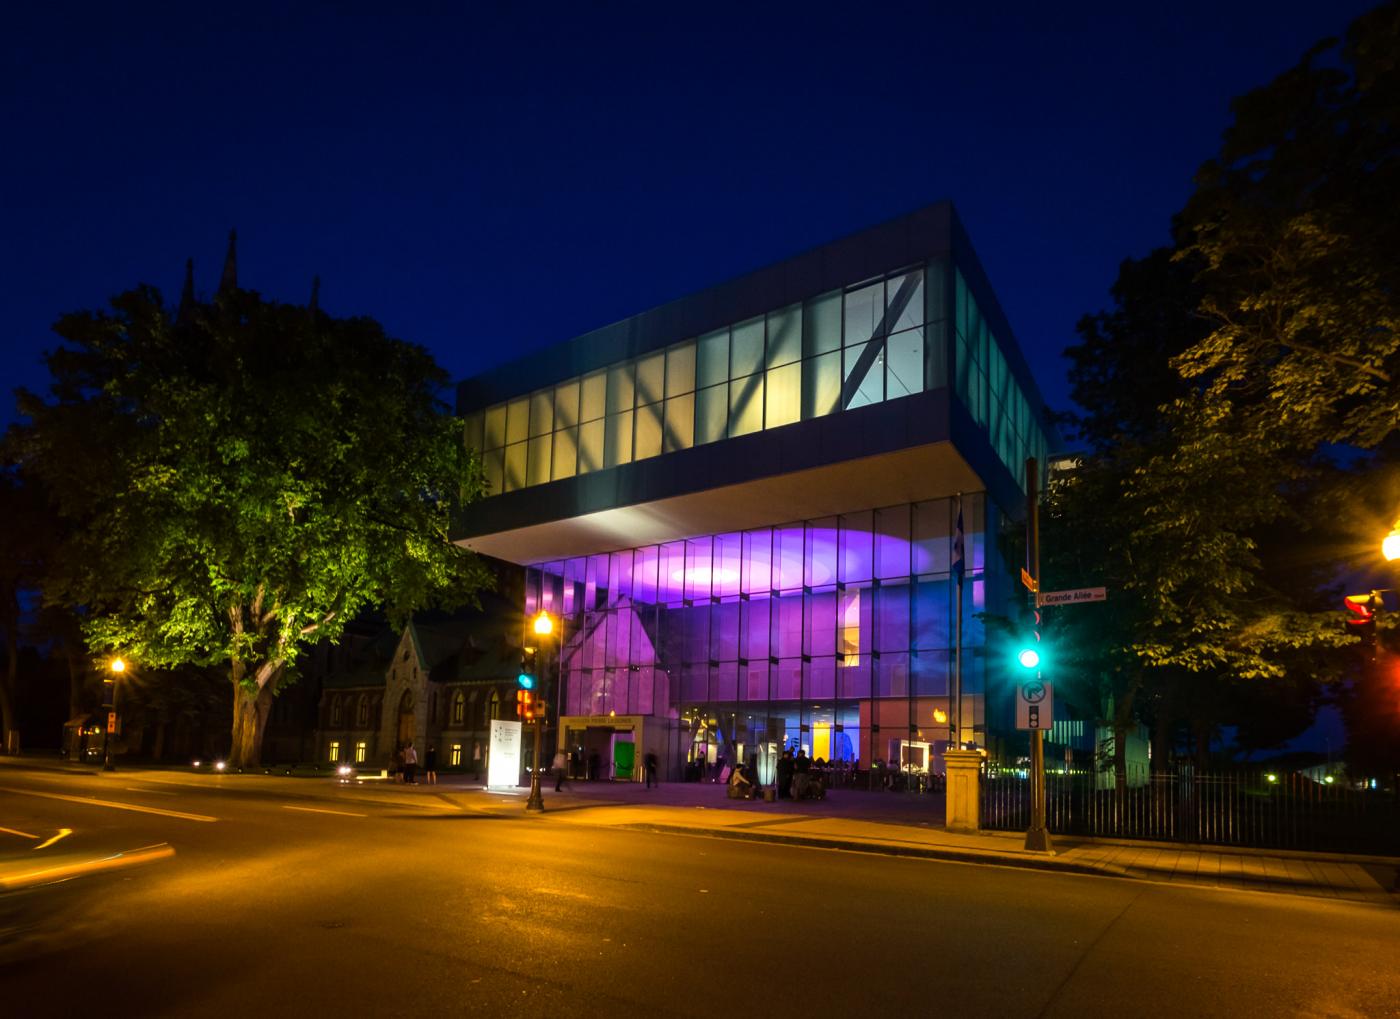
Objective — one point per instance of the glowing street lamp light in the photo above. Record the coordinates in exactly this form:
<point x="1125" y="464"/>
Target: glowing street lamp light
<point x="544" y="626"/>
<point x="1390" y="547"/>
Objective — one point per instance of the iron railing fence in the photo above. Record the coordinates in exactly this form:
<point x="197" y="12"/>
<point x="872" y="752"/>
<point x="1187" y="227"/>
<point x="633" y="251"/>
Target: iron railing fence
<point x="1233" y="808"/>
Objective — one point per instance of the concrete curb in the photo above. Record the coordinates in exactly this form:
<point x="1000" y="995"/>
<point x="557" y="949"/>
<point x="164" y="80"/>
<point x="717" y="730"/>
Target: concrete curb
<point x="878" y="848"/>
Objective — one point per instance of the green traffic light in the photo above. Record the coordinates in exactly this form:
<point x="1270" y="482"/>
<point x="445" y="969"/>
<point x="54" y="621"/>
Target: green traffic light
<point x="1029" y="658"/>
<point x="526" y="681"/>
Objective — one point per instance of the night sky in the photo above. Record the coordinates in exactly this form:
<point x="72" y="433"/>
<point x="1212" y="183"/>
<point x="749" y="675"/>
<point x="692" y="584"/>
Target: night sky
<point x="490" y="182"/>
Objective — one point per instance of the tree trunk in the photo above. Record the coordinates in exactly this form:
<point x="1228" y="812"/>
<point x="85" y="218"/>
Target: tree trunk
<point x="251" y="706"/>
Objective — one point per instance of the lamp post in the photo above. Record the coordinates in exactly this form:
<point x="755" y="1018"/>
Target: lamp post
<point x="109" y="701"/>
<point x="544" y="627"/>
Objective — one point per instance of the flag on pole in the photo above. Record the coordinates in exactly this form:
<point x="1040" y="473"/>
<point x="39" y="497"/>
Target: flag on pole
<point x="958" y="566"/>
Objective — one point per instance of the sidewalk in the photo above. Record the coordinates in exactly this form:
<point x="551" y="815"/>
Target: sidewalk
<point x="904" y="825"/>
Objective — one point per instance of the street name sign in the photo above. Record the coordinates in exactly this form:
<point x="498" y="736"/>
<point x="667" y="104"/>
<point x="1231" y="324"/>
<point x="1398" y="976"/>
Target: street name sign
<point x="1078" y="596"/>
<point x="1035" y="705"/>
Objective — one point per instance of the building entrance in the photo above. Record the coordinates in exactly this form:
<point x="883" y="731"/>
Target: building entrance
<point x="606" y="747"/>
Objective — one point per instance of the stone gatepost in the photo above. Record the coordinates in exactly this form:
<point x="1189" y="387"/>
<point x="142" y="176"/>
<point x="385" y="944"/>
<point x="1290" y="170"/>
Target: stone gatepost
<point x="963" y="804"/>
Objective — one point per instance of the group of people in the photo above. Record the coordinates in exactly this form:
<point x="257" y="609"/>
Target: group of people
<point x="565" y="762"/>
<point x="403" y="765"/>
<point x="796" y="778"/>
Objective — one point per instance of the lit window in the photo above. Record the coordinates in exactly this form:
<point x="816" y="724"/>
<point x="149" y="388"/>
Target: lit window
<point x="456" y="758"/>
<point x="361" y="751"/>
<point x="459" y="708"/>
<point x="333" y="751"/>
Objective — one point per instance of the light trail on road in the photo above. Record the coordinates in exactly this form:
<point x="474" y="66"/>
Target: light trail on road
<point x="113" y="804"/>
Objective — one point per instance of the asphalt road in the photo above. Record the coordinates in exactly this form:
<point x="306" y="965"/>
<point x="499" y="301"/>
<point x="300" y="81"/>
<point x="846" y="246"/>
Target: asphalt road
<point x="293" y="897"/>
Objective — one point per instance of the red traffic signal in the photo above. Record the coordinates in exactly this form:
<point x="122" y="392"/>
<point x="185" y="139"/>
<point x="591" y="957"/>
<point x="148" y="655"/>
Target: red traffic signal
<point x="524" y="704"/>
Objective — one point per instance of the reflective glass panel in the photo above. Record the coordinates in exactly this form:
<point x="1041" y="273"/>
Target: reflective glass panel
<point x="648" y="436"/>
<point x="746" y="405"/>
<point x="904" y="368"/>
<point x="539" y="459"/>
<point x="471" y="431"/>
<point x="621" y="390"/>
<point x="593" y="396"/>
<point x="784" y="396"/>
<point x="784" y="336"/>
<point x="495" y="436"/>
<point x="590" y="446"/>
<point x="865" y="308"/>
<point x="541" y="412"/>
<point x="518" y="420"/>
<point x="713" y="365"/>
<point x="679" y="423"/>
<point x="821" y="385"/>
<point x="618" y="448"/>
<point x="905" y="301"/>
<point x="863" y="380"/>
<point x="746" y="348"/>
<point x="515" y="467"/>
<point x="566" y="404"/>
<point x="651" y="376"/>
<point x="711" y="414"/>
<point x="821" y="325"/>
<point x="565" y="453"/>
<point x="680" y="369"/>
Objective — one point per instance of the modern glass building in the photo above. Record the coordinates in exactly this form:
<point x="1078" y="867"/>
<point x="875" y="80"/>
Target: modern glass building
<point x="743" y="507"/>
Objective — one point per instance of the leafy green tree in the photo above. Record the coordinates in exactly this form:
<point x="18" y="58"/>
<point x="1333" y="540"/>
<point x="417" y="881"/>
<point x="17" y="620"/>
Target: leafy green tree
<point x="1297" y="229"/>
<point x="238" y="479"/>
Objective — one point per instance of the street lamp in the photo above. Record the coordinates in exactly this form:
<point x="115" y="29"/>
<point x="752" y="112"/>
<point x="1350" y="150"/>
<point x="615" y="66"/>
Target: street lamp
<point x="1390" y="547"/>
<point x="109" y="701"/>
<point x="543" y="626"/>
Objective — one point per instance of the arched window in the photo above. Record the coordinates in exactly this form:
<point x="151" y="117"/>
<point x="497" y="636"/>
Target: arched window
<point x="495" y="704"/>
<point x="362" y="711"/>
<point x="459" y="708"/>
<point x="335" y="711"/>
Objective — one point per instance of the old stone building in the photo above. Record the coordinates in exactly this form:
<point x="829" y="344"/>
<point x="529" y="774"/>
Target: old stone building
<point x="435" y="684"/>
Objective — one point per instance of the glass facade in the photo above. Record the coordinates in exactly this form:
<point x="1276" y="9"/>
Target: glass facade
<point x="879" y="340"/>
<point x="835" y="635"/>
<point x="988" y="388"/>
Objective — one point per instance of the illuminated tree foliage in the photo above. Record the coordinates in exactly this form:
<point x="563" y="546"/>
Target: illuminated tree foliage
<point x="1295" y="225"/>
<point x="238" y="480"/>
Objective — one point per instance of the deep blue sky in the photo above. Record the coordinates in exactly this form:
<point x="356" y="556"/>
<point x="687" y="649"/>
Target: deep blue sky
<point x="490" y="182"/>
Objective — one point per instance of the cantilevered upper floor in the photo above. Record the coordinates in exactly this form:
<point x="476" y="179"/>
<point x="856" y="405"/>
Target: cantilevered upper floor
<point x="874" y="370"/>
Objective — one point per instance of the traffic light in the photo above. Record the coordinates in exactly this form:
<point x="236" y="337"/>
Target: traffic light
<point x="525" y="704"/>
<point x="1361" y="614"/>
<point x="528" y="668"/>
<point x="1028" y="652"/>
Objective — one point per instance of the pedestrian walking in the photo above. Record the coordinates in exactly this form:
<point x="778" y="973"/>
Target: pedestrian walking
<point x="410" y="764"/>
<point x="430" y="765"/>
<point x="561" y="770"/>
<point x="651" y="770"/>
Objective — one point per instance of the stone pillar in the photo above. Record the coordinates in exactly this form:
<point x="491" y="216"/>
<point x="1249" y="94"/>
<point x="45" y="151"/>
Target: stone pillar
<point x="963" y="804"/>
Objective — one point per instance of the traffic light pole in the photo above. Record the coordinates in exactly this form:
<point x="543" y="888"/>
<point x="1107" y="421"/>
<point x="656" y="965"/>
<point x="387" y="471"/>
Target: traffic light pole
<point x="536" y="800"/>
<point x="1037" y="835"/>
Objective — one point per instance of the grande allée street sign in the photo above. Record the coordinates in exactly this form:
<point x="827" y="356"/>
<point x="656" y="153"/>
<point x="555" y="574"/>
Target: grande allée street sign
<point x="1078" y="596"/>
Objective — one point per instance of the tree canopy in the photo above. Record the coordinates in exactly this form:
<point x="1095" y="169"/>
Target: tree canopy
<point x="238" y="479"/>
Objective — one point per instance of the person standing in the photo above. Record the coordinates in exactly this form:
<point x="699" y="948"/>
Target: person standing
<point x="651" y="770"/>
<point x="430" y="765"/>
<point x="410" y="764"/>
<point x="785" y="775"/>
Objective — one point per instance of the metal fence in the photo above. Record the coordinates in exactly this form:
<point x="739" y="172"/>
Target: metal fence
<point x="1235" y="808"/>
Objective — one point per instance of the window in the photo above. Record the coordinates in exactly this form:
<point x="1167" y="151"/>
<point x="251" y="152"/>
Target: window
<point x="362" y="711"/>
<point x="333" y="751"/>
<point x="361" y="751"/>
<point x="459" y="708"/>
<point x="455" y="759"/>
<point x="336" y="716"/>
